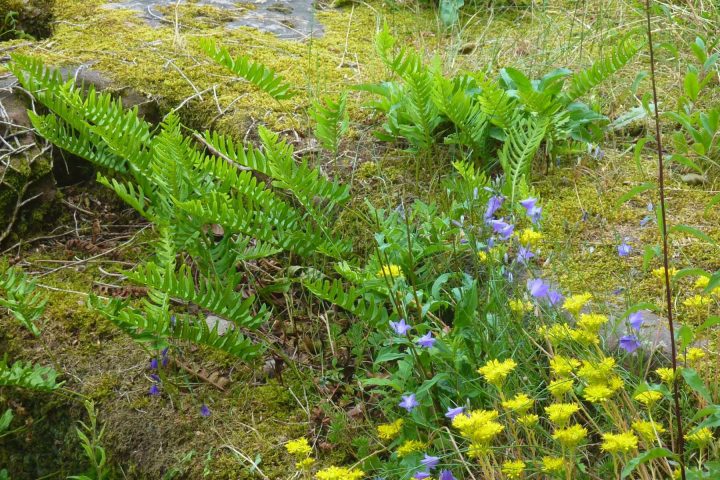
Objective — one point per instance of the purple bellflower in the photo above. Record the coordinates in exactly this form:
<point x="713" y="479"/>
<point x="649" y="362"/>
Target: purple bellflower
<point x="429" y="462"/>
<point x="409" y="402"/>
<point x="454" y="412"/>
<point x="426" y="341"/>
<point x="400" y="327"/>
<point x="629" y="343"/>
<point x="538" y="288"/>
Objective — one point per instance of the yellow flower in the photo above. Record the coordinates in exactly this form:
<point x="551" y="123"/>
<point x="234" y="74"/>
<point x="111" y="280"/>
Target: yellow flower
<point x="513" y="469"/>
<point x="696" y="302"/>
<point x="553" y="465"/>
<point x="647" y="429"/>
<point x="518" y="307"/>
<point x="482" y="256"/>
<point x="411" y="446"/>
<point x="305" y="463"/>
<point x="560" y="413"/>
<point x="597" y="372"/>
<point x="495" y="372"/>
<point x="597" y="393"/>
<point x="520" y="404"/>
<point x="702" y="282"/>
<point x="528" y="420"/>
<point x="666" y="375"/>
<point x="659" y="273"/>
<point x="557" y="333"/>
<point x="648" y="397"/>
<point x="619" y="442"/>
<point x="388" y="431"/>
<point x="558" y="388"/>
<point x="700" y="437"/>
<point x="339" y="473"/>
<point x="477" y="450"/>
<point x="584" y="337"/>
<point x="571" y="437"/>
<point x="694" y="354"/>
<point x="478" y="426"/>
<point x="529" y="237"/>
<point x="575" y="303"/>
<point x="592" y="322"/>
<point x="299" y="447"/>
<point x="563" y="366"/>
<point x="391" y="271"/>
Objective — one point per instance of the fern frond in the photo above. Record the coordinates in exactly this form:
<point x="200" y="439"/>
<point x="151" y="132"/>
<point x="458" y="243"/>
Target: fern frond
<point x="582" y="82"/>
<point x="467" y="115"/>
<point x="423" y="114"/>
<point x="519" y="150"/>
<point x="19" y="296"/>
<point x="351" y="300"/>
<point x="331" y="121"/>
<point x="495" y="102"/>
<point x="256" y="73"/>
<point x="26" y="375"/>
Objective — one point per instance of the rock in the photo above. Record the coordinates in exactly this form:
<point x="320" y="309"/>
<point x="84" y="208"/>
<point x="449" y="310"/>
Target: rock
<point x="467" y="48"/>
<point x="654" y="335"/>
<point x="222" y="325"/>
<point x="694" y="179"/>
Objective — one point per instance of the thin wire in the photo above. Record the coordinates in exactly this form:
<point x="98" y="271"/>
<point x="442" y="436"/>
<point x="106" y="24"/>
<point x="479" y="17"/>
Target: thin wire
<point x="680" y="443"/>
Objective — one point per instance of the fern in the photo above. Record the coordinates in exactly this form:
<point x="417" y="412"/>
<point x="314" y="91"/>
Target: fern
<point x="256" y="73"/>
<point x="581" y="83"/>
<point x="464" y="112"/>
<point x="518" y="152"/>
<point x="331" y="122"/>
<point x="351" y="300"/>
<point x="19" y="296"/>
<point x="26" y="375"/>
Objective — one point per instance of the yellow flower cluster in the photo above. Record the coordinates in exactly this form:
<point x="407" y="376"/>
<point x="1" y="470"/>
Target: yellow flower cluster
<point x="495" y="371"/>
<point x="563" y="366"/>
<point x="648" y="430"/>
<point x="659" y="273"/>
<point x="519" y="307"/>
<point x="602" y="382"/>
<point x="482" y="256"/>
<point x="700" y="437"/>
<point x="520" y="404"/>
<point x="299" y="447"/>
<point x="513" y="469"/>
<point x="388" y="431"/>
<point x="615" y="443"/>
<point x="411" y="446"/>
<point x="575" y="303"/>
<point x="667" y="375"/>
<point x="560" y="413"/>
<point x="480" y="428"/>
<point x="529" y="237"/>
<point x="591" y="322"/>
<point x="694" y="354"/>
<point x="702" y="282"/>
<point x="339" y="473"/>
<point x="528" y="420"/>
<point x="561" y="332"/>
<point x="305" y="463"/>
<point x="391" y="271"/>
<point x="553" y="465"/>
<point x="649" y="397"/>
<point x="559" y="388"/>
<point x="697" y="302"/>
<point x="570" y="437"/>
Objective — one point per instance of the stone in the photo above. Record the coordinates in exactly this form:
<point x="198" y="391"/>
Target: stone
<point x="694" y="179"/>
<point x="654" y="335"/>
<point x="223" y="326"/>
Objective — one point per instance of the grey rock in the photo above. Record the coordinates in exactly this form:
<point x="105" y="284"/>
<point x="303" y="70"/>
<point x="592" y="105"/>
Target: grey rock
<point x="694" y="179"/>
<point x="223" y="326"/>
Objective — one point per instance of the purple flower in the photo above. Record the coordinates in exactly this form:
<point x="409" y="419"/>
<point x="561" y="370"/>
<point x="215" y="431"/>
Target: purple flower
<point x="535" y="214"/>
<point x="454" y="412"/>
<point x="504" y="229"/>
<point x="155" y="378"/>
<point x="154" y="390"/>
<point x="429" y="462"/>
<point x="204" y="411"/>
<point x="426" y="340"/>
<point x="493" y="206"/>
<point x="636" y="319"/>
<point x="446" y="475"/>
<point x="629" y="343"/>
<point x="524" y="254"/>
<point x="538" y="288"/>
<point x="153" y="364"/>
<point x="422" y="475"/>
<point x="401" y="328"/>
<point x="528" y="204"/>
<point x="164" y="355"/>
<point x="555" y="297"/>
<point x="408" y="402"/>
<point x="624" y="249"/>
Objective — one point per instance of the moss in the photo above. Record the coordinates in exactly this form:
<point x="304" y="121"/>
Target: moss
<point x="34" y="17"/>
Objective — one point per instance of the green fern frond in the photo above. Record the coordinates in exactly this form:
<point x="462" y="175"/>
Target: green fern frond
<point x="19" y="296"/>
<point x="331" y="121"/>
<point x="256" y="73"/>
<point x="500" y="108"/>
<point x="466" y="114"/>
<point x="403" y="63"/>
<point x="26" y="375"/>
<point x="518" y="152"/>
<point x="424" y="116"/>
<point x="350" y="300"/>
<point x="582" y="82"/>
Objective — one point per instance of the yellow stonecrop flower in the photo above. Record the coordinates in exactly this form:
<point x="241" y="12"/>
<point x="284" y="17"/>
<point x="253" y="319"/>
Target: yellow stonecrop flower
<point x="305" y="463"/>
<point x="528" y="420"/>
<point x="560" y="413"/>
<point x="702" y="282"/>
<point x="647" y="429"/>
<point x="700" y="437"/>
<point x="615" y="443"/>
<point x="597" y="372"/>
<point x="299" y="447"/>
<point x="520" y="404"/>
<point x="584" y="337"/>
<point x="563" y="366"/>
<point x="391" y="271"/>
<point x="518" y="307"/>
<point x="570" y="437"/>
<point x="697" y="302"/>
<point x="575" y="303"/>
<point x="529" y="237"/>
<point x="597" y="393"/>
<point x="553" y="465"/>
<point x="557" y="333"/>
<point x="513" y="469"/>
<point x="659" y="273"/>
<point x="411" y="446"/>
<point x="339" y="473"/>
<point x="667" y="375"/>
<point x="648" y="397"/>
<point x="478" y="450"/>
<point x="482" y="256"/>
<point x="495" y="371"/>
<point x="694" y="354"/>
<point x="478" y="426"/>
<point x="388" y="431"/>
<point x="592" y="322"/>
<point x="559" y="388"/>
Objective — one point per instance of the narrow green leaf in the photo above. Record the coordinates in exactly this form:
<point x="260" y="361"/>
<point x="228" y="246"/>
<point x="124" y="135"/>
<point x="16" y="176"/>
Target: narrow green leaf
<point x="635" y="191"/>
<point x="695" y="382"/>
<point x="645" y="457"/>
<point x="692" y="231"/>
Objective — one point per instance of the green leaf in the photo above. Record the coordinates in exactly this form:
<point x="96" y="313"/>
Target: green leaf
<point x="692" y="231"/>
<point x="692" y="85"/>
<point x="695" y="382"/>
<point x="635" y="191"/>
<point x="657" y="452"/>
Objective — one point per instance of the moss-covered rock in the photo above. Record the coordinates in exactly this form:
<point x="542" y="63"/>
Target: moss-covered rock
<point x="33" y="17"/>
